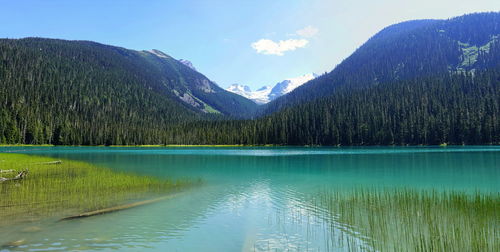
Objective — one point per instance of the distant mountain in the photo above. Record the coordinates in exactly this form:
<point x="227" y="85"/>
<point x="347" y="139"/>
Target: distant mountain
<point x="259" y="96"/>
<point x="81" y="92"/>
<point x="266" y="94"/>
<point x="289" y="85"/>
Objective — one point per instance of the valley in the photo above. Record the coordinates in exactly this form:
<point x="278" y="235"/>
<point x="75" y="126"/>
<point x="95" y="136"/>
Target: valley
<point x="224" y="138"/>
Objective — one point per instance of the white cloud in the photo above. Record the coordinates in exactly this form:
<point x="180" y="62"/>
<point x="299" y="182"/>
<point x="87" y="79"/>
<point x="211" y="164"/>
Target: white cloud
<point x="267" y="46"/>
<point x="308" y="31"/>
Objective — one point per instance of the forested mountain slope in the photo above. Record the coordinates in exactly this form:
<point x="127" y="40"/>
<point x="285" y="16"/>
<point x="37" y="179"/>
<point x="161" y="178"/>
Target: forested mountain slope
<point x="419" y="82"/>
<point x="412" y="49"/>
<point x="447" y="108"/>
<point x="79" y="92"/>
<point x="195" y="89"/>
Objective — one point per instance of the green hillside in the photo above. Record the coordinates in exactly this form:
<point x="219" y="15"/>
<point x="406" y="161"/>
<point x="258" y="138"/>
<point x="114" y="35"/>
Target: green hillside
<point x="79" y="92"/>
<point x="412" y="49"/>
<point x="418" y="82"/>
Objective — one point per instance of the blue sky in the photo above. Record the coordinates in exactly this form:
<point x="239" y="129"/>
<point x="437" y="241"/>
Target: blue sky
<point x="229" y="41"/>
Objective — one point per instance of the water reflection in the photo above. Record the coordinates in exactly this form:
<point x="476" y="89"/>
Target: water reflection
<point x="252" y="199"/>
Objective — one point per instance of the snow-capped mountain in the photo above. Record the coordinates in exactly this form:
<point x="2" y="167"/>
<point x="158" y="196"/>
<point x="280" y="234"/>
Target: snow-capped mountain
<point x="266" y="94"/>
<point x="239" y="89"/>
<point x="259" y="96"/>
<point x="289" y="85"/>
<point x="188" y="64"/>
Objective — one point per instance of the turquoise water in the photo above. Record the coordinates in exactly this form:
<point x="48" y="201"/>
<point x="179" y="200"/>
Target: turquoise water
<point x="252" y="199"/>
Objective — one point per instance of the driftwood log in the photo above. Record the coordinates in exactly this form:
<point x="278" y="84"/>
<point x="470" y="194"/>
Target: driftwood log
<point x="118" y="208"/>
<point x="19" y="176"/>
<point x="51" y="163"/>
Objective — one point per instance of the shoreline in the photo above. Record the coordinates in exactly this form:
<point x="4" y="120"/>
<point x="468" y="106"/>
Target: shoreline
<point x="234" y="145"/>
<point x="67" y="187"/>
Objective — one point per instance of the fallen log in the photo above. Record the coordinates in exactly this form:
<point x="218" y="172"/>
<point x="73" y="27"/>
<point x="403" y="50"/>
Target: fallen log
<point x="117" y="208"/>
<point x="51" y="162"/>
<point x="7" y="171"/>
<point x="13" y="244"/>
<point x="19" y="176"/>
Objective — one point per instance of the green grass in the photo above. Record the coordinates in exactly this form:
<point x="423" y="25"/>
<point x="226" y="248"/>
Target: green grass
<point x="69" y="188"/>
<point x="410" y="220"/>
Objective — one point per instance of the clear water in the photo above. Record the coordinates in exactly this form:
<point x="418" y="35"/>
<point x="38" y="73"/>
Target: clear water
<point x="253" y="199"/>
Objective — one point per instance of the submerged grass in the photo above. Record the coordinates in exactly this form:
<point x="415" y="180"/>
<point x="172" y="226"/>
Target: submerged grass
<point x="69" y="187"/>
<point x="411" y="220"/>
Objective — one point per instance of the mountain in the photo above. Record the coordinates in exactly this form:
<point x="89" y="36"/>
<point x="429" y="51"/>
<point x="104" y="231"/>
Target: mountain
<point x="259" y="96"/>
<point x="417" y="82"/>
<point x="288" y="85"/>
<point x="266" y="94"/>
<point x="194" y="89"/>
<point x="239" y="89"/>
<point x="81" y="92"/>
<point x="453" y="109"/>
<point x="407" y="50"/>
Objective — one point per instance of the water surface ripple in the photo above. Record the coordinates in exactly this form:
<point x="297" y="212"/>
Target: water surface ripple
<point x="252" y="199"/>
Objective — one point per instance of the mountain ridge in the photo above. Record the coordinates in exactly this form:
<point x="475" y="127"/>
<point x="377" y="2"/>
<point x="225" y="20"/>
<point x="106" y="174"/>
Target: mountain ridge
<point x="418" y="82"/>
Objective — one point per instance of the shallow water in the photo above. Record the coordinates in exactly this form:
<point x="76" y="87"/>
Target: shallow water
<point x="252" y="199"/>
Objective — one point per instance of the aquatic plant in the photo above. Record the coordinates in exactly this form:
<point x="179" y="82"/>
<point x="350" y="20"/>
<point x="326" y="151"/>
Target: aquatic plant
<point x="62" y="187"/>
<point x="412" y="220"/>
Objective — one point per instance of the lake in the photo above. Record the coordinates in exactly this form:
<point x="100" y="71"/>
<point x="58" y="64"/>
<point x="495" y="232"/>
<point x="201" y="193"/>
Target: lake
<point x="252" y="198"/>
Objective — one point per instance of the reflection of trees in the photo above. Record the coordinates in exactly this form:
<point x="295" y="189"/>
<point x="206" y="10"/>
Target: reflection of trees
<point x="282" y="182"/>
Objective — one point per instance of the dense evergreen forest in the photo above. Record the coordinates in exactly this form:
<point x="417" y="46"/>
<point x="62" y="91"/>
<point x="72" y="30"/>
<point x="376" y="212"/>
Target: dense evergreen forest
<point x="451" y="108"/>
<point x="418" y="82"/>
<point x="79" y="92"/>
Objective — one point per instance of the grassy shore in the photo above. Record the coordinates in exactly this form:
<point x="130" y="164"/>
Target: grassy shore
<point x="69" y="187"/>
<point x="409" y="220"/>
